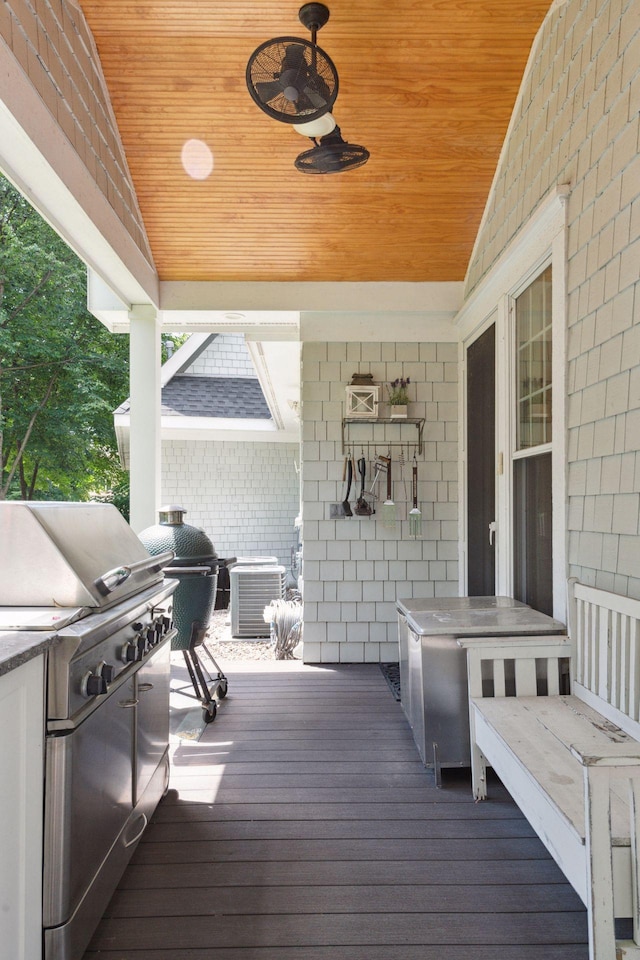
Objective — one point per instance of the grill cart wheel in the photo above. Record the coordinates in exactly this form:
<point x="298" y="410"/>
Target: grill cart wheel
<point x="209" y="712"/>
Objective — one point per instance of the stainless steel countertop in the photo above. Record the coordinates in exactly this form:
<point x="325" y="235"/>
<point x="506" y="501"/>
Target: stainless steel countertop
<point x="478" y="622"/>
<point x="19" y="646"/>
<point x="423" y="604"/>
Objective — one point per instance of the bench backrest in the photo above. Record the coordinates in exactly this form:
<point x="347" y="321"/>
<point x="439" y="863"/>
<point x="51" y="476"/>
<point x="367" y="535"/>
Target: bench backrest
<point x="516" y="666"/>
<point x="605" y="633"/>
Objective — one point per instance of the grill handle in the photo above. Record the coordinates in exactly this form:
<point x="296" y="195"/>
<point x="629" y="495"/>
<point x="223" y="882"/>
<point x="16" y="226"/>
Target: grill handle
<point x="108" y="582"/>
<point x="204" y="569"/>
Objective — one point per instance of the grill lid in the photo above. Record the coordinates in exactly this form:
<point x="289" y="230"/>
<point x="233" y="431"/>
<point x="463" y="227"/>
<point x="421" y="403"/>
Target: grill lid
<point x="58" y="554"/>
<point x="191" y="545"/>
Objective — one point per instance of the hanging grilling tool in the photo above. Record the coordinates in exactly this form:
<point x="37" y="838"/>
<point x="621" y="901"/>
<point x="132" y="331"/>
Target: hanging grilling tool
<point x="363" y="508"/>
<point x="405" y="500"/>
<point x="343" y="509"/>
<point x="415" y="516"/>
<point x="388" y="511"/>
<point x="346" y="506"/>
<point x="381" y="465"/>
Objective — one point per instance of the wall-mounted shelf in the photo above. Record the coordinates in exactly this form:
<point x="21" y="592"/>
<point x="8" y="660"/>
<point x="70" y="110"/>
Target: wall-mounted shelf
<point x="348" y="437"/>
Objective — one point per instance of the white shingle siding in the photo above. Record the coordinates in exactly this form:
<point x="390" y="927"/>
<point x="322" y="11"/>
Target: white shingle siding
<point x="226" y="356"/>
<point x="355" y="569"/>
<point x="244" y="496"/>
<point x="578" y="122"/>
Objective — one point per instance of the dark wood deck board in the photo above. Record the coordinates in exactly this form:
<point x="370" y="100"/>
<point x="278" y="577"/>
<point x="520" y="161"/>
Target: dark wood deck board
<point x="298" y="899"/>
<point x="392" y="812"/>
<point x="363" y="829"/>
<point x="303" y="825"/>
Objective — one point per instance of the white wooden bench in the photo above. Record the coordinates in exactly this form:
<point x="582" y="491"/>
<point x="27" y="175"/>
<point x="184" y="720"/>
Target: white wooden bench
<point x="570" y="761"/>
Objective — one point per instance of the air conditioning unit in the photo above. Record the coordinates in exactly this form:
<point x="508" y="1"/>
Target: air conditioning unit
<point x="253" y="587"/>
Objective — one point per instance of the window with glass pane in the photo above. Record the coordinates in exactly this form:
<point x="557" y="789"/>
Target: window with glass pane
<point x="533" y="370"/>
<point x="532" y="532"/>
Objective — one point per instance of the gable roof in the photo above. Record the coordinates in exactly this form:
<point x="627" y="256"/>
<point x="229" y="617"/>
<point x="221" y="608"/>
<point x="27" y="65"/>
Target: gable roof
<point x="219" y="397"/>
<point x="196" y="399"/>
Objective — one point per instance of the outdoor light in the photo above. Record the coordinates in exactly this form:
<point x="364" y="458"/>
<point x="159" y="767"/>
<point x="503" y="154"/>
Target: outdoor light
<point x="316" y="128"/>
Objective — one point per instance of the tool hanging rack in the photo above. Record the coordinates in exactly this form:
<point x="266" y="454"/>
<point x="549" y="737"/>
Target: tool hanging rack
<point x="370" y="496"/>
<point x="349" y="442"/>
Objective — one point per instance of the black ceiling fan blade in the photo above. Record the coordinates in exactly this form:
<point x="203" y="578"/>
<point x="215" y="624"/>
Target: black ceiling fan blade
<point x="269" y="90"/>
<point x="316" y="97"/>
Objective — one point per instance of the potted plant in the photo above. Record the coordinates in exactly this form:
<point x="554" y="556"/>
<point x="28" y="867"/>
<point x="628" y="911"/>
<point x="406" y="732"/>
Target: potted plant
<point x="398" y="397"/>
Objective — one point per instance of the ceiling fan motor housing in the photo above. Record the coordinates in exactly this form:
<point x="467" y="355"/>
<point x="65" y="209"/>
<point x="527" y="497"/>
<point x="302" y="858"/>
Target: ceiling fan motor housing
<point x="313" y="16"/>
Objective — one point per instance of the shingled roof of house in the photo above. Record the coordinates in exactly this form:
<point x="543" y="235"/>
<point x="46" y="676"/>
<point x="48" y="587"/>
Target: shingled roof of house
<point x="219" y="397"/>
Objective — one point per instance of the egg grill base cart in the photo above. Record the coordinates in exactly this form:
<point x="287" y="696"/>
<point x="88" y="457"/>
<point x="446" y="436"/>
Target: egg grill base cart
<point x="206" y="687"/>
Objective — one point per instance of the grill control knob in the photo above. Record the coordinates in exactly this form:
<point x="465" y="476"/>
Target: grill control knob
<point x="108" y="671"/>
<point x="166" y="624"/>
<point x="141" y="643"/>
<point x="93" y="685"/>
<point x="129" y="653"/>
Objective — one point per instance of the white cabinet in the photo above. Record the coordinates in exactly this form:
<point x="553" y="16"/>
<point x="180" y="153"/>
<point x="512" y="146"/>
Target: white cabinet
<point x="21" y="798"/>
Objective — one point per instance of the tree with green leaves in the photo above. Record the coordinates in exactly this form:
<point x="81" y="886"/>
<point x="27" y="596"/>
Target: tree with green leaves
<point x="61" y="372"/>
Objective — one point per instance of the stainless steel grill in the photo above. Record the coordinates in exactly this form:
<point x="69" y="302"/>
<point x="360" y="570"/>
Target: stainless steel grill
<point x="80" y="571"/>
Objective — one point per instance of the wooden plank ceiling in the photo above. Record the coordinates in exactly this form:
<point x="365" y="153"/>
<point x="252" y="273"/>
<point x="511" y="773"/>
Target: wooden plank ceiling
<point x="426" y="85"/>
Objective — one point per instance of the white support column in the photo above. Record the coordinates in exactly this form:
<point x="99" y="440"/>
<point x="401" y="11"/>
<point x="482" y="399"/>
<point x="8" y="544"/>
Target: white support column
<point x="144" y="376"/>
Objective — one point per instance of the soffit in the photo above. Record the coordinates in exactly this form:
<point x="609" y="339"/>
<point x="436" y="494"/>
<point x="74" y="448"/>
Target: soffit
<point x="427" y="86"/>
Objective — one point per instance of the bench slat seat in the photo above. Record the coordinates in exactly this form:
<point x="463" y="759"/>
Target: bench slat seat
<point x="540" y="732"/>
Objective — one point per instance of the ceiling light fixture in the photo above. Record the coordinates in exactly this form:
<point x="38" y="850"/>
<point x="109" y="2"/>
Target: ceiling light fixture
<point x="316" y="128"/>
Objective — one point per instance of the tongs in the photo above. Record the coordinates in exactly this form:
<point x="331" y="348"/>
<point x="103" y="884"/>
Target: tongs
<point x="363" y="508"/>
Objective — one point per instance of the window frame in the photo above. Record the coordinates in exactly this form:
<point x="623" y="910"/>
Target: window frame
<point x="539" y="243"/>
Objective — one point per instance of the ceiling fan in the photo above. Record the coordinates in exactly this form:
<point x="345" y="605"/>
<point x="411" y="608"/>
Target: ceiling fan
<point x="294" y="81"/>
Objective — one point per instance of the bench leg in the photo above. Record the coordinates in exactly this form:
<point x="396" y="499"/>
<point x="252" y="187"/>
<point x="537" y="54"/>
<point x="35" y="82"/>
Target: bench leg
<point x="478" y="774"/>
<point x="634" y="833"/>
<point x="478" y="762"/>
<point x="602" y="941"/>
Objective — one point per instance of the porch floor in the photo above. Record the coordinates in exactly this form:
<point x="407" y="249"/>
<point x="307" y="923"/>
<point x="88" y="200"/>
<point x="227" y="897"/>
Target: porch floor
<point x="303" y="826"/>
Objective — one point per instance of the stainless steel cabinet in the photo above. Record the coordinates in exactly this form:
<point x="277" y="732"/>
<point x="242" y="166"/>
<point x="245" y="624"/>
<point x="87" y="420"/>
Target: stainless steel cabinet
<point x="434" y="689"/>
<point x="403" y="658"/>
<point x="152" y="717"/>
<point x="21" y="794"/>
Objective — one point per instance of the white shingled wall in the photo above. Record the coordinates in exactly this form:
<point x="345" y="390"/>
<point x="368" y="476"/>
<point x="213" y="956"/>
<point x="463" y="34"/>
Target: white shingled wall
<point x="578" y="122"/>
<point x="226" y="356"/>
<point x="246" y="496"/>
<point x="355" y="569"/>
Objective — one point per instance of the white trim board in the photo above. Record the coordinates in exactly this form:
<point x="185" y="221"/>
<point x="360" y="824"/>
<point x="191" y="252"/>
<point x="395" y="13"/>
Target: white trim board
<point x="519" y="260"/>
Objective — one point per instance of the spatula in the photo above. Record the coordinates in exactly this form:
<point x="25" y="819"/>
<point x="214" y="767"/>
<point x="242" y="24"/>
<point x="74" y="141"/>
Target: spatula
<point x="388" y="509"/>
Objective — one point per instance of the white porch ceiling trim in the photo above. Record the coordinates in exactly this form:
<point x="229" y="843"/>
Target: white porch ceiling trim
<point x="370" y="297"/>
<point x="297" y="311"/>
